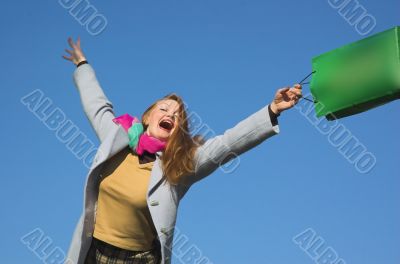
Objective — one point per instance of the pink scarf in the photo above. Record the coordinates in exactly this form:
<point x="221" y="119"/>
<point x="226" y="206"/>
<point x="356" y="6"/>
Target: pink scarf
<point x="139" y="141"/>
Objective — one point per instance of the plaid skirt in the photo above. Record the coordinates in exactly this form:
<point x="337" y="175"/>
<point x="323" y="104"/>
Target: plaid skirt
<point x="101" y="252"/>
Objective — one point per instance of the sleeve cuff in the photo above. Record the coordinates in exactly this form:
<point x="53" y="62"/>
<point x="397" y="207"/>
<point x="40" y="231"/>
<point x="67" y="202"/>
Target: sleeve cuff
<point x="273" y="116"/>
<point x="82" y="62"/>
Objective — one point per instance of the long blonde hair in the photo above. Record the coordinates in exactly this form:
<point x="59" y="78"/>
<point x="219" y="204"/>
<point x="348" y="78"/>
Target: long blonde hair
<point x="178" y="156"/>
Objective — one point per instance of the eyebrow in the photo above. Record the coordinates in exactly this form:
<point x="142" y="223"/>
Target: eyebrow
<point x="177" y="111"/>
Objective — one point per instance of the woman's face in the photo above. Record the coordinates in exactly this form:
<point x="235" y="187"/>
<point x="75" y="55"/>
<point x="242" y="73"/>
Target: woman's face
<point x="163" y="119"/>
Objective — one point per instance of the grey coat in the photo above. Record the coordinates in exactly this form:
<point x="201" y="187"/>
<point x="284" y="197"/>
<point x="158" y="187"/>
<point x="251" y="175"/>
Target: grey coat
<point x="162" y="197"/>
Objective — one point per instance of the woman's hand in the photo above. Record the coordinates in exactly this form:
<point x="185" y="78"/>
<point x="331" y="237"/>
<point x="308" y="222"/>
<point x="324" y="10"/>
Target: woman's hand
<point x="76" y="54"/>
<point x="286" y="98"/>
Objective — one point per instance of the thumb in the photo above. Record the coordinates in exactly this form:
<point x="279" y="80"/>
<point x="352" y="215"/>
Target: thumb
<point x="283" y="90"/>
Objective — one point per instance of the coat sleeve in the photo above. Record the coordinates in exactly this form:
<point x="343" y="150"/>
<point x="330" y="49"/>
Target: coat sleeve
<point x="220" y="149"/>
<point x="98" y="109"/>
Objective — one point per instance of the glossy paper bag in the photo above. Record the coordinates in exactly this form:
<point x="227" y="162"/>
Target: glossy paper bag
<point x="358" y="76"/>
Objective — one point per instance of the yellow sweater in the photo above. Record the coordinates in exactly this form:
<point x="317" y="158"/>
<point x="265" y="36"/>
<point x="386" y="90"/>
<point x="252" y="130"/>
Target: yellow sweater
<point x="122" y="217"/>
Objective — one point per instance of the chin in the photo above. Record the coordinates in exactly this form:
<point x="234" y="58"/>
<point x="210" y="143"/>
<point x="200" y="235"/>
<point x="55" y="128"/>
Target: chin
<point x="162" y="135"/>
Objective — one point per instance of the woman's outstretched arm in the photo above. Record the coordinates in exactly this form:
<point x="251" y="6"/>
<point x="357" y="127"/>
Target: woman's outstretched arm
<point x="245" y="135"/>
<point x="98" y="109"/>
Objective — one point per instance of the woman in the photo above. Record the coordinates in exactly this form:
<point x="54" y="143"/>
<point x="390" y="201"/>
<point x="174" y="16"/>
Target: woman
<point x="142" y="169"/>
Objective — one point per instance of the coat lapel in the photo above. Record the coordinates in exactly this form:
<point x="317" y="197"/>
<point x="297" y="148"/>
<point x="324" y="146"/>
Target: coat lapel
<point x="119" y="141"/>
<point x="156" y="175"/>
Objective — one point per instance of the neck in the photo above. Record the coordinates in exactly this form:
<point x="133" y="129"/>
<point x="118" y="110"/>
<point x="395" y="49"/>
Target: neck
<point x="148" y="134"/>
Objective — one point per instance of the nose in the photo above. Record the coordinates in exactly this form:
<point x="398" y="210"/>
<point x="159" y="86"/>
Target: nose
<point x="172" y="116"/>
<point x="169" y="117"/>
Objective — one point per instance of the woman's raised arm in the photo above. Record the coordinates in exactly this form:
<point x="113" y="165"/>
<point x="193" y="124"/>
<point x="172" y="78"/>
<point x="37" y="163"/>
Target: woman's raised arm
<point x="245" y="135"/>
<point x="98" y="109"/>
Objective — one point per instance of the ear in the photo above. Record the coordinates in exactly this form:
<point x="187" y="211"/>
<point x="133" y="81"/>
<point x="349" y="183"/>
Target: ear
<point x="145" y="125"/>
<point x="145" y="120"/>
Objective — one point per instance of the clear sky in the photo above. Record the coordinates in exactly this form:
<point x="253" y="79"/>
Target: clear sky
<point x="226" y="59"/>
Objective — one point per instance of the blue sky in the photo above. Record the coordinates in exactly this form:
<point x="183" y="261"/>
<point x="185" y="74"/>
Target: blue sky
<point x="226" y="59"/>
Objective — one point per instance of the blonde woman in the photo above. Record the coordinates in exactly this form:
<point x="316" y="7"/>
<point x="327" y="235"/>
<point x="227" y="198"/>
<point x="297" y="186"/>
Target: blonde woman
<point x="143" y="168"/>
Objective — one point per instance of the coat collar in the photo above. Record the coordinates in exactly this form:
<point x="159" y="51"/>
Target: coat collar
<point x="120" y="140"/>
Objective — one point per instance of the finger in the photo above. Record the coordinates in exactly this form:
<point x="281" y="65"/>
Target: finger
<point x="292" y="97"/>
<point x="70" y="52"/>
<point x="288" y="105"/>
<point x="293" y="101"/>
<point x="71" y="43"/>
<point x="297" y="92"/>
<point x="67" y="58"/>
<point x="283" y="90"/>
<point x="78" y="42"/>
<point x="297" y="86"/>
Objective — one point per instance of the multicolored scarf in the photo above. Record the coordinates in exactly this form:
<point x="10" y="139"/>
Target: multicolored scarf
<point x="138" y="140"/>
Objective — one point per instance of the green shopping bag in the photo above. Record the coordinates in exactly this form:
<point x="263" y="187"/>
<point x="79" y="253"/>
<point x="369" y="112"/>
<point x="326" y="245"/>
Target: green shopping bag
<point x="357" y="77"/>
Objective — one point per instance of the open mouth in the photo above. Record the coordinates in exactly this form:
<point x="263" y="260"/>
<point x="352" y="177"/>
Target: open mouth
<point x="166" y="125"/>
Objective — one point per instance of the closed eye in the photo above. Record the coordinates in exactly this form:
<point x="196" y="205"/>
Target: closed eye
<point x="165" y="110"/>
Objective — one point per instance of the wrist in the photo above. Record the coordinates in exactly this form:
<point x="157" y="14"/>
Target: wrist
<point x="274" y="108"/>
<point x="84" y="61"/>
